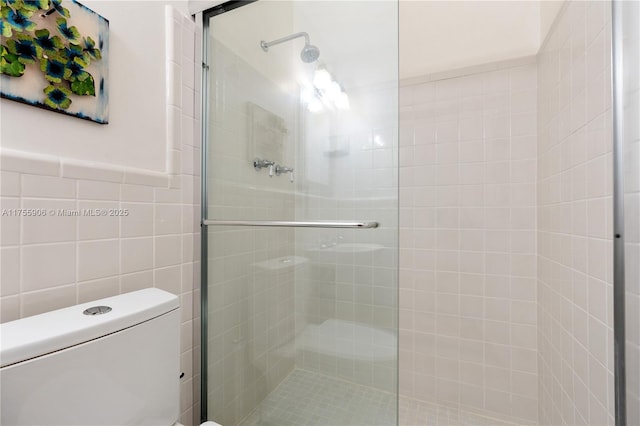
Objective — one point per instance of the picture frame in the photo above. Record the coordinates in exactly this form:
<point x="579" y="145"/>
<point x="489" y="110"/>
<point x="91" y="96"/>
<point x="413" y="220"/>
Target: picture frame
<point x="55" y="55"/>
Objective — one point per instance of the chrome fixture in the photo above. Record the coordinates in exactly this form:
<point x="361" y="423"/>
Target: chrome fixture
<point x="97" y="310"/>
<point x="282" y="169"/>
<point x="274" y="168"/>
<point x="292" y="224"/>
<point x="259" y="164"/>
<point x="620" y="302"/>
<point x="309" y="53"/>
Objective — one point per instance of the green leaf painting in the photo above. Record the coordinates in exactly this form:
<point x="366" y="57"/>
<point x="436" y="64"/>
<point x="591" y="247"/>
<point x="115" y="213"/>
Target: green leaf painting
<point x="46" y="45"/>
<point x="35" y="5"/>
<point x="23" y="47"/>
<point x="70" y="33"/>
<point x="45" y="37"/>
<point x="57" y="97"/>
<point x="84" y="87"/>
<point x="19" y="18"/>
<point x="9" y="63"/>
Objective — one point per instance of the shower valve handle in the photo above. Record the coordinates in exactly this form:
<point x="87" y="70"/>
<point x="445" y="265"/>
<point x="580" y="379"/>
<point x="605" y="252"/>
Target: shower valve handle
<point x="260" y="164"/>
<point x="282" y="169"/>
<point x="274" y="169"/>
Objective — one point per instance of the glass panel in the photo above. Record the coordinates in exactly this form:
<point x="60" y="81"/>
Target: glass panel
<point x="302" y="322"/>
<point x="631" y="99"/>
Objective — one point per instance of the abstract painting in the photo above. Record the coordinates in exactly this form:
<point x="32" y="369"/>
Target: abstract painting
<point x="54" y="55"/>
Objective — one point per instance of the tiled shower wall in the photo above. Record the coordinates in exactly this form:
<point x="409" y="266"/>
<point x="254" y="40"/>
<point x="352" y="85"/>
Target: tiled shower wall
<point x="468" y="242"/>
<point x="54" y="261"/>
<point x="574" y="219"/>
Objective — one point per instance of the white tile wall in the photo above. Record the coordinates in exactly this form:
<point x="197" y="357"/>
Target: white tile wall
<point x="53" y="261"/>
<point x="468" y="241"/>
<point x="574" y="219"/>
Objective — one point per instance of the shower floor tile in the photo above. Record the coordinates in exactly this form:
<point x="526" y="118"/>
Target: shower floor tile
<point x="309" y="398"/>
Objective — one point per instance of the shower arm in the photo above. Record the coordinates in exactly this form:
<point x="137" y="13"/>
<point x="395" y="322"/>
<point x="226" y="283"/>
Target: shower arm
<point x="266" y="45"/>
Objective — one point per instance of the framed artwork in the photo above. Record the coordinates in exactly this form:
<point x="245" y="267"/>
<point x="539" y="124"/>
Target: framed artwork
<point x="55" y="55"/>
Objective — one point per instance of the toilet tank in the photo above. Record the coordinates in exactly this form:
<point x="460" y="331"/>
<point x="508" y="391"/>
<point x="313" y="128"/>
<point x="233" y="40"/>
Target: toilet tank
<point x="119" y="367"/>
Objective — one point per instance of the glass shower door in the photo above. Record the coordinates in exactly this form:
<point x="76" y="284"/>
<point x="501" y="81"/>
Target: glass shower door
<point x="301" y="192"/>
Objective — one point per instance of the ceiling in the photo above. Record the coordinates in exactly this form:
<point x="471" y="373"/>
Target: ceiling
<point x="437" y="36"/>
<point x="433" y="36"/>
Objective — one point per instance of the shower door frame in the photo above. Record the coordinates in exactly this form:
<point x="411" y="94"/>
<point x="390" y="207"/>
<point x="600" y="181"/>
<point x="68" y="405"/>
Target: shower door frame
<point x="619" y="288"/>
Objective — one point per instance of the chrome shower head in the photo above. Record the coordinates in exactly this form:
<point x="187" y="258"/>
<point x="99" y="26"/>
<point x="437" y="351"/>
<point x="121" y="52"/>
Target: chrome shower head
<point x="309" y="53"/>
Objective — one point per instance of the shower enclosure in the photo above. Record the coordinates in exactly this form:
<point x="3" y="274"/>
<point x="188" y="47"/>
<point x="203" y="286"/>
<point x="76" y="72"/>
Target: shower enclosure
<point x="300" y="206"/>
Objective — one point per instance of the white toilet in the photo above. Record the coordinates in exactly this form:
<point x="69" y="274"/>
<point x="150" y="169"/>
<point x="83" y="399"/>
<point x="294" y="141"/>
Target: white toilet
<point x="91" y="365"/>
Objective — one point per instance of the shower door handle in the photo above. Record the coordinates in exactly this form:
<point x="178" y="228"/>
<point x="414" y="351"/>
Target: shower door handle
<point x="292" y="224"/>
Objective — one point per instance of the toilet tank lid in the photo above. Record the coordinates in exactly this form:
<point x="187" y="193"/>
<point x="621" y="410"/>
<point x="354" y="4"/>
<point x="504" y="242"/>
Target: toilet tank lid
<point x="38" y="335"/>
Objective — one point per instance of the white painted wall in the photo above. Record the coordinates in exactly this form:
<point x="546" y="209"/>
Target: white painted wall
<point x="136" y="134"/>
